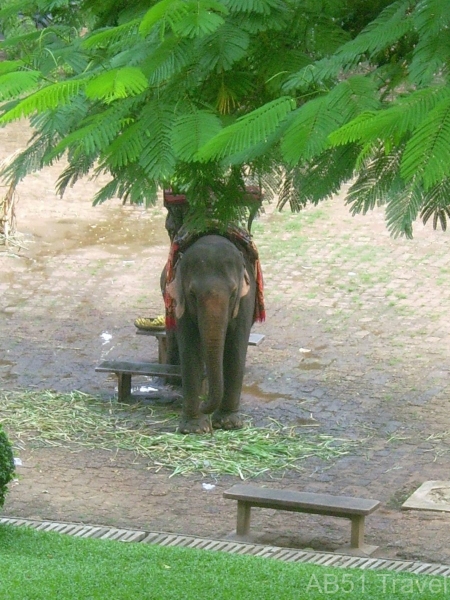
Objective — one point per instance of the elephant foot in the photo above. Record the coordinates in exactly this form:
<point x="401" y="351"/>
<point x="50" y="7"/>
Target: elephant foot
<point x="196" y="425"/>
<point x="227" y="420"/>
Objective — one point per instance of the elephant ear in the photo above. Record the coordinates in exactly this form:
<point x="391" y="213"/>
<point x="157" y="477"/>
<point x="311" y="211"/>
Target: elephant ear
<point x="244" y="290"/>
<point x="175" y="291"/>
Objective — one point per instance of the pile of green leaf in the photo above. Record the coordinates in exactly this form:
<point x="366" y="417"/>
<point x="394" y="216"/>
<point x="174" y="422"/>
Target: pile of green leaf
<point x="79" y="420"/>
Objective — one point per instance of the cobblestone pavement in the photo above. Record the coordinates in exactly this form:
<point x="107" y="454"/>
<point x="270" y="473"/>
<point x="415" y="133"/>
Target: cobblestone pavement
<point x="357" y="345"/>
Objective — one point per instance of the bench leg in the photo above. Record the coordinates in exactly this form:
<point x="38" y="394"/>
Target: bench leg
<point x="243" y="518"/>
<point x="123" y="387"/>
<point x="357" y="536"/>
<point x="162" y="350"/>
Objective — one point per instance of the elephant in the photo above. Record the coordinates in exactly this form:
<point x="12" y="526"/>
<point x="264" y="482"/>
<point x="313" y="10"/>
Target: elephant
<point x="212" y="290"/>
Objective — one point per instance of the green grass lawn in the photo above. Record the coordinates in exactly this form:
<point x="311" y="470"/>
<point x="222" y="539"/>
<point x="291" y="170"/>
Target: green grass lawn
<point x="37" y="565"/>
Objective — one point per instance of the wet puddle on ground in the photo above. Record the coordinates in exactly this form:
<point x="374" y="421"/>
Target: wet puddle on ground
<point x="116" y="232"/>
<point x="310" y="365"/>
<point x="126" y="230"/>
<point x="120" y="231"/>
<point x="5" y="363"/>
<point x="311" y="359"/>
<point x="257" y="393"/>
<point x="5" y="370"/>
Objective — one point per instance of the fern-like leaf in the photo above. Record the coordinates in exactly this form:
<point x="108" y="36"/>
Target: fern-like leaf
<point x="263" y="7"/>
<point x="431" y="58"/>
<point x="393" y="122"/>
<point x="188" y="18"/>
<point x="49" y="97"/>
<point x="353" y="96"/>
<point x="317" y="179"/>
<point x="280" y="65"/>
<point x="28" y="161"/>
<point x="49" y="128"/>
<point x="317" y="119"/>
<point x="260" y="153"/>
<point x="427" y="154"/>
<point x="134" y="56"/>
<point x="314" y="74"/>
<point x="94" y="134"/>
<point x="13" y="8"/>
<point x="77" y="168"/>
<point x="327" y="34"/>
<point x="111" y="35"/>
<point x="261" y="22"/>
<point x="11" y="43"/>
<point x="9" y="66"/>
<point x="435" y="204"/>
<point x="15" y="84"/>
<point x="137" y="189"/>
<point x="324" y="176"/>
<point x="393" y="22"/>
<point x="247" y="131"/>
<point x="75" y="60"/>
<point x="221" y="50"/>
<point x="431" y="53"/>
<point x="431" y="16"/>
<point x="157" y="158"/>
<point x="168" y="60"/>
<point x="62" y="120"/>
<point x="402" y="210"/>
<point x="117" y="83"/>
<point x="309" y="131"/>
<point x="172" y="10"/>
<point x="377" y="177"/>
<point x="201" y="19"/>
<point x="192" y="131"/>
<point x="126" y="148"/>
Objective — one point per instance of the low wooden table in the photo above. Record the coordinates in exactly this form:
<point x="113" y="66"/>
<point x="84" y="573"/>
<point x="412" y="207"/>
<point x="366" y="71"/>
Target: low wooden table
<point x="126" y="369"/>
<point x="254" y="340"/>
<point x="355" y="509"/>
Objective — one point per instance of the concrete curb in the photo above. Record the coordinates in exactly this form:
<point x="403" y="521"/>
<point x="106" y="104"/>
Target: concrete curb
<point x="233" y="547"/>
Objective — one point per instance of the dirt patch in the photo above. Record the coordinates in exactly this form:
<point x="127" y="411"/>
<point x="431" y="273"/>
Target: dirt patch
<point x="357" y="346"/>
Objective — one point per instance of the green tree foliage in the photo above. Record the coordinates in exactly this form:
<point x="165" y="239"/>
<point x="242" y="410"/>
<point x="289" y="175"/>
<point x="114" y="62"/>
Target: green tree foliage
<point x="7" y="467"/>
<point x="204" y="96"/>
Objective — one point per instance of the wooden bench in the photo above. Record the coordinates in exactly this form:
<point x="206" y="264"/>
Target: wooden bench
<point x="124" y="371"/>
<point x="254" y="340"/>
<point x="355" y="509"/>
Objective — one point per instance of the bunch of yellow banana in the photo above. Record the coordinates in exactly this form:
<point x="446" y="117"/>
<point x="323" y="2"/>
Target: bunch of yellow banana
<point x="147" y="323"/>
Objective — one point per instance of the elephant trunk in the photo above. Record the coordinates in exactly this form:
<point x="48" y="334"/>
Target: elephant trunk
<point x="213" y="327"/>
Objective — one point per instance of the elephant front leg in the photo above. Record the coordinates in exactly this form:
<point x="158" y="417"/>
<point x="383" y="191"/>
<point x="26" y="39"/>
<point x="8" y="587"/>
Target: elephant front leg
<point x="192" y="372"/>
<point x="192" y="420"/>
<point x="228" y="416"/>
